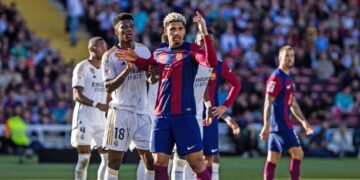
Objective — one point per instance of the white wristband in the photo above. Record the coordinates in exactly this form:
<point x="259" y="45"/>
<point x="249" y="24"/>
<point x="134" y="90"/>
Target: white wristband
<point x="94" y="104"/>
<point x="227" y="119"/>
<point x="207" y="104"/>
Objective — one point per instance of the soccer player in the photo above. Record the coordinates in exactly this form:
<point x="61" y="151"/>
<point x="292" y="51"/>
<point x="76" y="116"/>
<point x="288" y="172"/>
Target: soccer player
<point x="210" y="138"/>
<point x="180" y="168"/>
<point x="128" y="120"/>
<point x="175" y="106"/>
<point x="91" y="105"/>
<point x="278" y="130"/>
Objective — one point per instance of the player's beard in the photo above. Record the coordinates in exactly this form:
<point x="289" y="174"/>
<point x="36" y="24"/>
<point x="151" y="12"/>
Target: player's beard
<point x="177" y="40"/>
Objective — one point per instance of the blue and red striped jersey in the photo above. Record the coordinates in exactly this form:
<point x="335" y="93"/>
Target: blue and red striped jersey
<point x="178" y="69"/>
<point x="223" y="72"/>
<point x="280" y="86"/>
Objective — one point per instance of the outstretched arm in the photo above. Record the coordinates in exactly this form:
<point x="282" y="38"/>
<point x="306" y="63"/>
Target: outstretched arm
<point x="129" y="55"/>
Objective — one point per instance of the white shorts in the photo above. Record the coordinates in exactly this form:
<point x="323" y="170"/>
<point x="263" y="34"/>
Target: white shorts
<point x="125" y="127"/>
<point x="88" y="134"/>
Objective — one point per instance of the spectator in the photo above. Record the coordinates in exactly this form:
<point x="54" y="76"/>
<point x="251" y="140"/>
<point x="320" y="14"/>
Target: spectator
<point x="75" y="12"/>
<point x="325" y="68"/>
<point x="344" y="102"/>
<point x="341" y="143"/>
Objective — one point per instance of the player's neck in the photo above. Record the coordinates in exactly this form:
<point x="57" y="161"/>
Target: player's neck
<point x="285" y="70"/>
<point x="94" y="61"/>
<point x="126" y="44"/>
<point x="174" y="45"/>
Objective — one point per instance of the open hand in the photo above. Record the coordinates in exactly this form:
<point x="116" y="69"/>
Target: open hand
<point x="126" y="55"/>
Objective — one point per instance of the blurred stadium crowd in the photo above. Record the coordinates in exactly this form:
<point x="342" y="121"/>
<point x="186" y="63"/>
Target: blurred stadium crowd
<point x="35" y="81"/>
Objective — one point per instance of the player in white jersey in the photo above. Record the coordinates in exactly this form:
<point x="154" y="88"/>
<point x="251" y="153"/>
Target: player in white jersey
<point x="152" y="78"/>
<point x="181" y="169"/>
<point x="128" y="120"/>
<point x="89" y="120"/>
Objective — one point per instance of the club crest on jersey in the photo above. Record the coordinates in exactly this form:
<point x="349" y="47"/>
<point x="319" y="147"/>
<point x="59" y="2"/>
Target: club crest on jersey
<point x="213" y="76"/>
<point x="92" y="70"/>
<point x="179" y="56"/>
<point x="107" y="70"/>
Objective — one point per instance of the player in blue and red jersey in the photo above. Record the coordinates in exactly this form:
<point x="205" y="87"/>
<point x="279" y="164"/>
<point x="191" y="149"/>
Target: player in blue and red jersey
<point x="210" y="137"/>
<point x="175" y="105"/>
<point x="278" y="130"/>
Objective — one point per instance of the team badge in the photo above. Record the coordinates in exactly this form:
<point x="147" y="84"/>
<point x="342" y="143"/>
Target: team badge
<point x="107" y="70"/>
<point x="116" y="143"/>
<point x="92" y="70"/>
<point x="179" y="56"/>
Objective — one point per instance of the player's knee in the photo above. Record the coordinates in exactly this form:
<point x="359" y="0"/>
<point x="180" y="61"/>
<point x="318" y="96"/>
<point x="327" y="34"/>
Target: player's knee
<point x="149" y="163"/>
<point x="161" y="162"/>
<point x="298" y="154"/>
<point x="114" y="163"/>
<point x="197" y="164"/>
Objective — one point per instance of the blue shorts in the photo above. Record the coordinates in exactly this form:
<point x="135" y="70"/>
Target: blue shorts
<point x="282" y="141"/>
<point x="182" y="130"/>
<point x="211" y="138"/>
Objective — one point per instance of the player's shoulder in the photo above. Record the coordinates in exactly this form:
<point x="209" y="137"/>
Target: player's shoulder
<point x="81" y="65"/>
<point x="110" y="51"/>
<point x="106" y="56"/>
<point x="140" y="45"/>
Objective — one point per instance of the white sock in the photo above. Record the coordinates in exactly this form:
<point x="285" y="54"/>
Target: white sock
<point x="149" y="174"/>
<point x="215" y="171"/>
<point x="81" y="166"/>
<point x="189" y="174"/>
<point x="140" y="173"/>
<point x="111" y="174"/>
<point x="102" y="167"/>
<point x="177" y="171"/>
<point x="170" y="167"/>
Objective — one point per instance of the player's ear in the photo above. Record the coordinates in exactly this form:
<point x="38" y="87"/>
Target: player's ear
<point x="165" y="30"/>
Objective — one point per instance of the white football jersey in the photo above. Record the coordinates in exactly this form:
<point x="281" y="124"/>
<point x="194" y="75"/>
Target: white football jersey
<point x="90" y="78"/>
<point x="152" y="95"/>
<point x="201" y="81"/>
<point x="132" y="94"/>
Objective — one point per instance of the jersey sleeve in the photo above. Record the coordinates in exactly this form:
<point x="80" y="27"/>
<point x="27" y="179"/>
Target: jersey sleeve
<point x="206" y="58"/>
<point x="144" y="61"/>
<point x="107" y="67"/>
<point x="230" y="77"/>
<point x="79" y="76"/>
<point x="273" y="86"/>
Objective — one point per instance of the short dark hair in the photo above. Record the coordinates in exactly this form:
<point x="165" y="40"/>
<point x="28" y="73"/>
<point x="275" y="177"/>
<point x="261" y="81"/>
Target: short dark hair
<point x="93" y="41"/>
<point x="120" y="17"/>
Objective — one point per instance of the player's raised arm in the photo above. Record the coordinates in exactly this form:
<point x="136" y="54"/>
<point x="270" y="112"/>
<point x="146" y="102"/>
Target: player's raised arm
<point x="295" y="109"/>
<point x="208" y="57"/>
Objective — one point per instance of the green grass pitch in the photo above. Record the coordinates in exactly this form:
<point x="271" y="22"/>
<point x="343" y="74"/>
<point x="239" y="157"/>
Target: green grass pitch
<point x="231" y="168"/>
